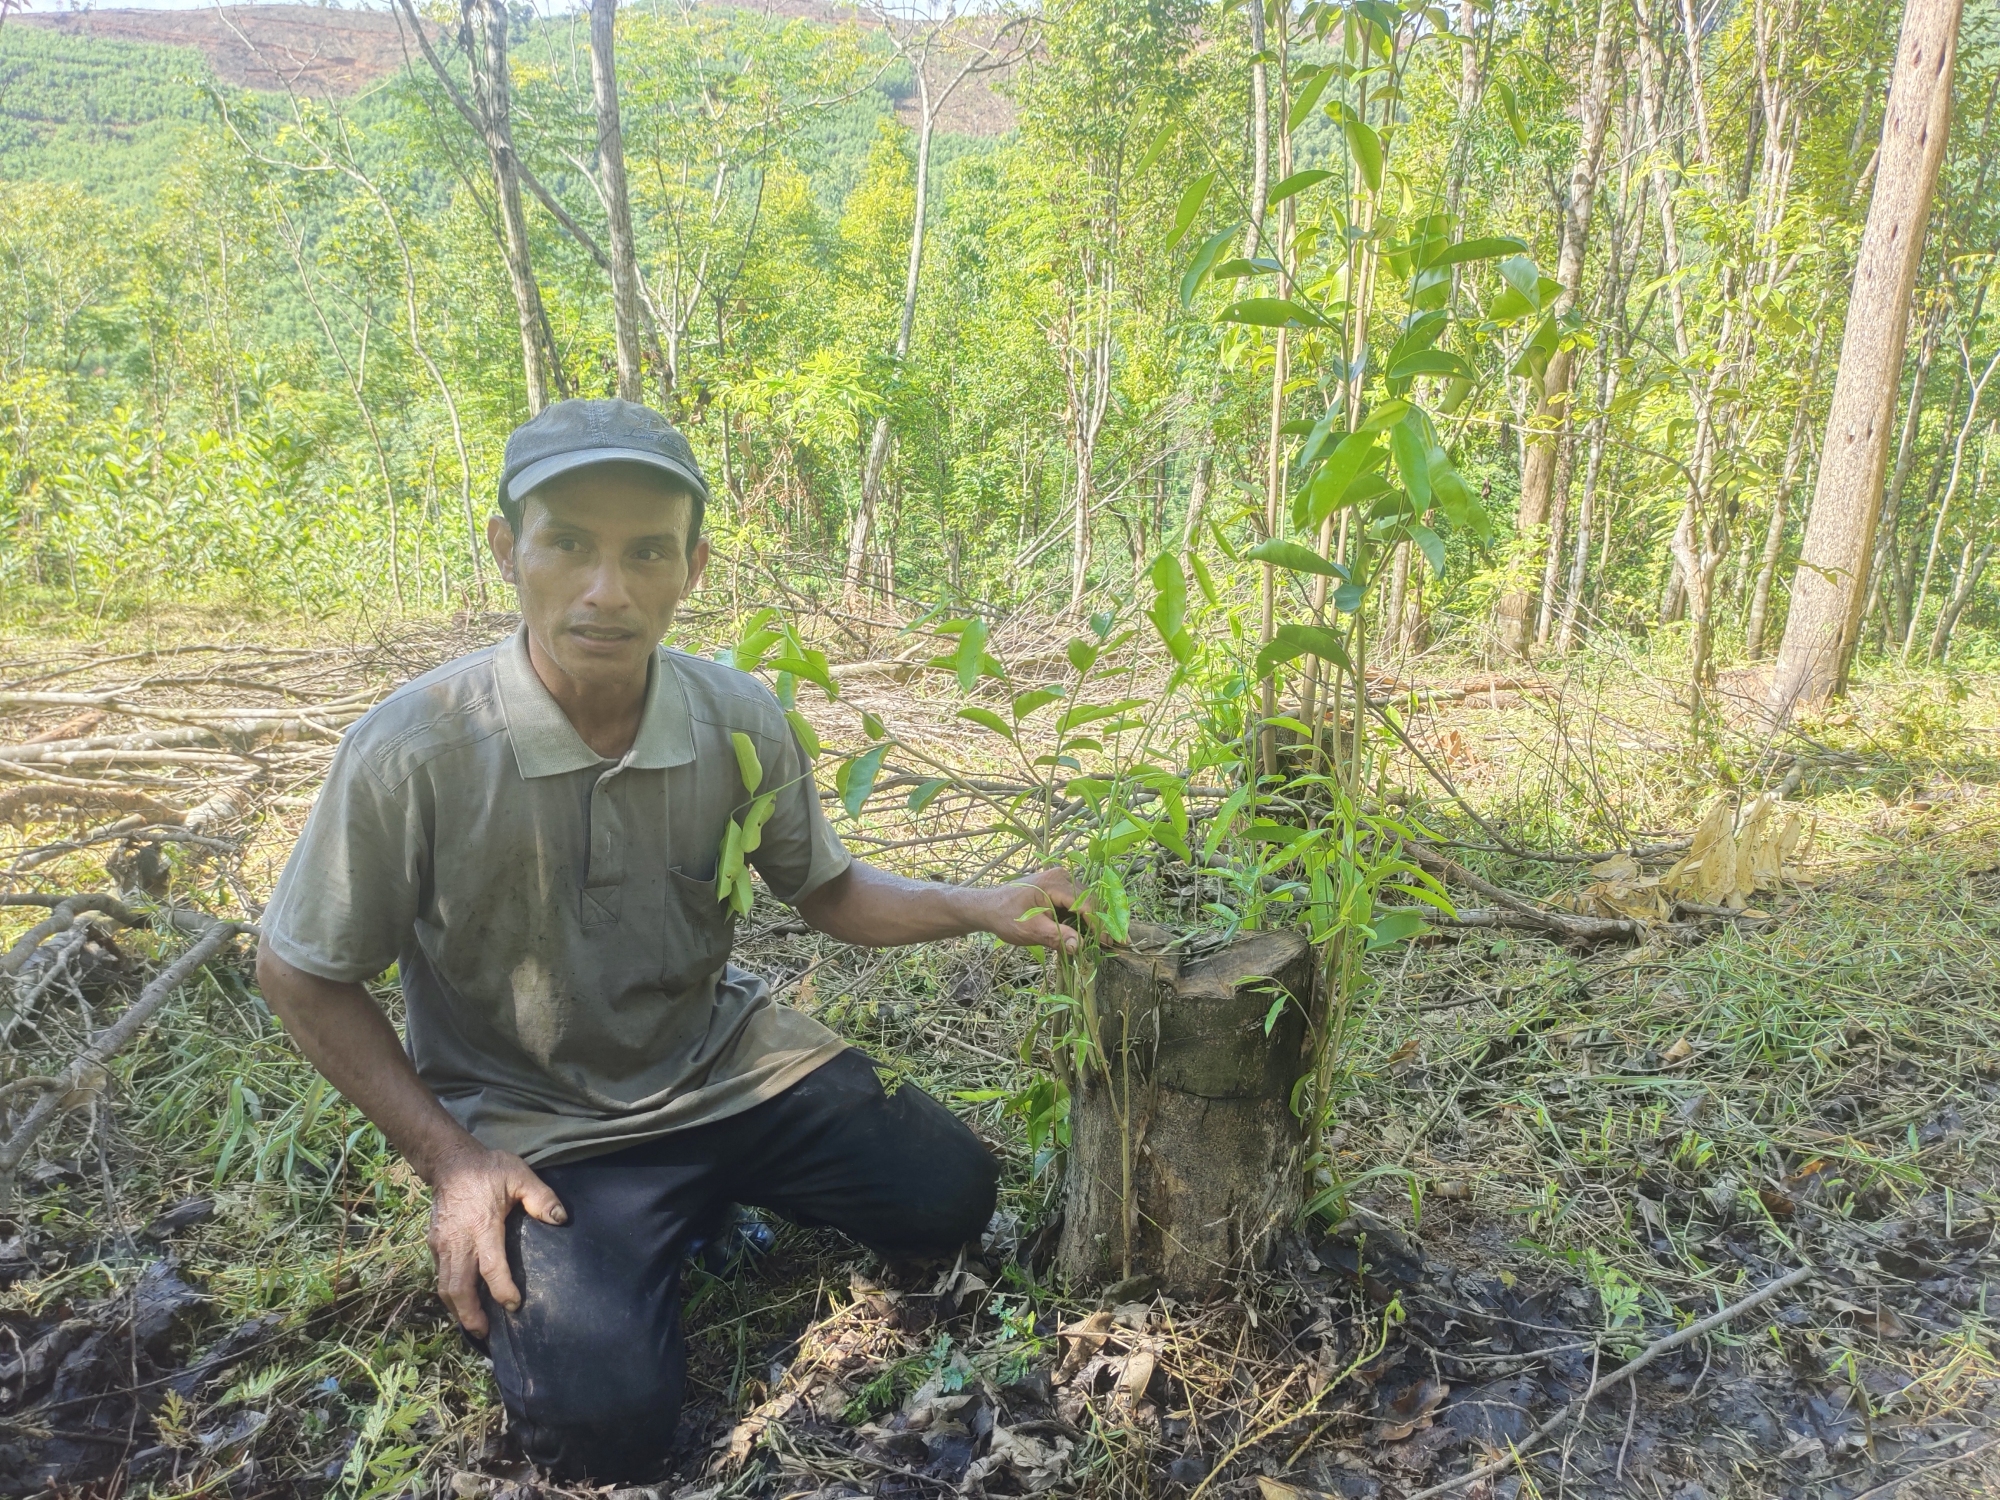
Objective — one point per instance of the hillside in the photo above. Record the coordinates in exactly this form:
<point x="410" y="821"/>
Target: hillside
<point x="103" y="98"/>
<point x="304" y="47"/>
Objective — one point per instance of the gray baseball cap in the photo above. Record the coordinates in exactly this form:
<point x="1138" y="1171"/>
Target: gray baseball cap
<point x="576" y="434"/>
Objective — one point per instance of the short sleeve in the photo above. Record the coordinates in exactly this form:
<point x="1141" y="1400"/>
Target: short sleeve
<point x="800" y="851"/>
<point x="349" y="897"/>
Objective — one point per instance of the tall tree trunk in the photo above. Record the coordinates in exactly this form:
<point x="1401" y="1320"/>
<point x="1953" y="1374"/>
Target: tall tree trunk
<point x="1515" y="615"/>
<point x="492" y="92"/>
<point x="1840" y="536"/>
<point x="628" y="311"/>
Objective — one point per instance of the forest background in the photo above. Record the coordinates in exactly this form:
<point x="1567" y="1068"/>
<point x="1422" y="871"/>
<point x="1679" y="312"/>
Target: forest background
<point x="259" y="346"/>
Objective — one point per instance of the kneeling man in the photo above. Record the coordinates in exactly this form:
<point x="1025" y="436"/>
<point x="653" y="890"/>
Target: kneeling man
<point x="530" y="834"/>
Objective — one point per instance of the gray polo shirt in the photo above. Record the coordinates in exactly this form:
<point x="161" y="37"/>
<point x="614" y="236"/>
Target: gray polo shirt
<point x="563" y="956"/>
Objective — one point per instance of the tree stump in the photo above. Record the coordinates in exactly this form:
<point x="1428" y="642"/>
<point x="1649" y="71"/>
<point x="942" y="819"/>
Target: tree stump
<point x="1215" y="1149"/>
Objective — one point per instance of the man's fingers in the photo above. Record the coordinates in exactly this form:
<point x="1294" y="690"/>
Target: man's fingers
<point x="494" y="1269"/>
<point x="458" y="1286"/>
<point x="539" y="1202"/>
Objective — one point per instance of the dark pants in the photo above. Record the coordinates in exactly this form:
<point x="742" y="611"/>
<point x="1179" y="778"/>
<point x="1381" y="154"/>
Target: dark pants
<point x="592" y="1365"/>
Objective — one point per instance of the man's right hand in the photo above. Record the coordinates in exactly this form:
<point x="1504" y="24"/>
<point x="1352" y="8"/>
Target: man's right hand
<point x="471" y="1195"/>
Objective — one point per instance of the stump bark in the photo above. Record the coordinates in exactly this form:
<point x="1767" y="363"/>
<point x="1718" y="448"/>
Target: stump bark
<point x="1215" y="1149"/>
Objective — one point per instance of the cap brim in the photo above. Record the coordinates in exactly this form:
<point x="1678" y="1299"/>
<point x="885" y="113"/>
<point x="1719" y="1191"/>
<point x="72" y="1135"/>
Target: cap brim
<point x="541" y="472"/>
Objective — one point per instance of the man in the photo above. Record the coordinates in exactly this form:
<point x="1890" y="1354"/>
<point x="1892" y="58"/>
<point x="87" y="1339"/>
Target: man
<point x="530" y="833"/>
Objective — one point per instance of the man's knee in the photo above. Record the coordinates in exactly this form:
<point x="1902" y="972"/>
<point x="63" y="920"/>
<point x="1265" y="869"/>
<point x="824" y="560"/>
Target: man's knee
<point x="957" y="1178"/>
<point x="590" y="1371"/>
<point x="592" y="1413"/>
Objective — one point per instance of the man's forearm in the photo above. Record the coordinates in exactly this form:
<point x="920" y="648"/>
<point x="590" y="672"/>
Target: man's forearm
<point x="873" y="907"/>
<point x="344" y="1034"/>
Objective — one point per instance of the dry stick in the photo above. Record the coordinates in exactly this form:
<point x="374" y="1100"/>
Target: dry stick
<point x="1564" y="924"/>
<point x="1651" y="1352"/>
<point x="106" y="1045"/>
<point x="65" y="914"/>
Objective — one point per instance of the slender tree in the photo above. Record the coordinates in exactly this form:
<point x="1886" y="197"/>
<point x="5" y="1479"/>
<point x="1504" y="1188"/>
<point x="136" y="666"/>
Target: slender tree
<point x="628" y="311"/>
<point x="1515" y="623"/>
<point x="1827" y="592"/>
<point x="920" y="44"/>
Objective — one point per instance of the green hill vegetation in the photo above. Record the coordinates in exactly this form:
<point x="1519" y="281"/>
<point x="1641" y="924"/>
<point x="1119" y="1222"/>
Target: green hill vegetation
<point x="109" y="116"/>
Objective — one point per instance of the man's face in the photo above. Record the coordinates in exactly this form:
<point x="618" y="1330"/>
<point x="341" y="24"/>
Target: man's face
<point x="601" y="564"/>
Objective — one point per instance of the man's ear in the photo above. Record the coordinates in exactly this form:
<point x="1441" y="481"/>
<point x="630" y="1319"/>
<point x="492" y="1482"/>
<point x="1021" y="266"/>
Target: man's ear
<point x="500" y="541"/>
<point x="697" y="565"/>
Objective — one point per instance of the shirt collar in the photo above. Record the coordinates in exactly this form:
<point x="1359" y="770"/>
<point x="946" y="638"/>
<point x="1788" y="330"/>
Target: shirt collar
<point x="547" y="744"/>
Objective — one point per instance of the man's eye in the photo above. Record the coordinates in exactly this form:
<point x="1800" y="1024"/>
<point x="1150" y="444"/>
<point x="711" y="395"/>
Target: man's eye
<point x="649" y="554"/>
<point x="568" y="543"/>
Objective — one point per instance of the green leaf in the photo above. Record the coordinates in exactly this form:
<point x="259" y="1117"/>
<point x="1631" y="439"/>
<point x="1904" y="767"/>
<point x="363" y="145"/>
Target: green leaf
<point x="985" y="718"/>
<point x="1411" y="450"/>
<point x="1309" y="96"/>
<point x="1204" y="258"/>
<point x="1393" y="927"/>
<point x="1291" y="555"/>
<point x="1270" y="312"/>
<point x="1190" y="205"/>
<point x="1222" y="543"/>
<point x="1329" y="486"/>
<point x="1519" y="272"/>
<point x="1490" y="248"/>
<point x="1318" y="433"/>
<point x="747" y="763"/>
<point x="1512" y="109"/>
<point x="1078" y="715"/>
<point x="1365" y="146"/>
<point x="1082" y="654"/>
<point x="1433" y="362"/>
<point x="1035" y="698"/>
<point x="1431" y="545"/>
<point x="1161" y="140"/>
<point x="1450" y="493"/>
<point x="729" y="864"/>
<point x="1114" y="907"/>
<point x="1219" y="825"/>
<point x="754" y="821"/>
<point x="809" y="664"/>
<point x="1298" y="182"/>
<point x="970" y="656"/>
<point x="808" y="736"/>
<point x="1300" y="640"/>
<point x="1169" y="609"/>
<point x="922" y="796"/>
<point x="1385" y="415"/>
<point x="1200" y="570"/>
<point x="873" y="727"/>
<point x="1236" y="267"/>
<point x="856" y="779"/>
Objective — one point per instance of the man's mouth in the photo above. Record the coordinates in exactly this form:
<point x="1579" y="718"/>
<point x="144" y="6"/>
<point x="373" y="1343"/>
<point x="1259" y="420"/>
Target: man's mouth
<point x="601" y="635"/>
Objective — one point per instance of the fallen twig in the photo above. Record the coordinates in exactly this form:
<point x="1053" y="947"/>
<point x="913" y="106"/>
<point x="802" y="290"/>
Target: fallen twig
<point x="1624" y="1372"/>
<point x="67" y="910"/>
<point x="80" y="1077"/>
<point x="1570" y="925"/>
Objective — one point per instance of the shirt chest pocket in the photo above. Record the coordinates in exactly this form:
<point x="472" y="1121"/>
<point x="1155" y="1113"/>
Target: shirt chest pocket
<point x="697" y="933"/>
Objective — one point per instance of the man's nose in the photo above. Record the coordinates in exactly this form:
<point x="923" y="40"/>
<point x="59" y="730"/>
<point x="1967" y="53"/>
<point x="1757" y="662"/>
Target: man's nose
<point x="606" y="590"/>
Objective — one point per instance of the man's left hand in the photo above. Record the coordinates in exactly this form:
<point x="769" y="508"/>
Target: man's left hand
<point x="1026" y="912"/>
